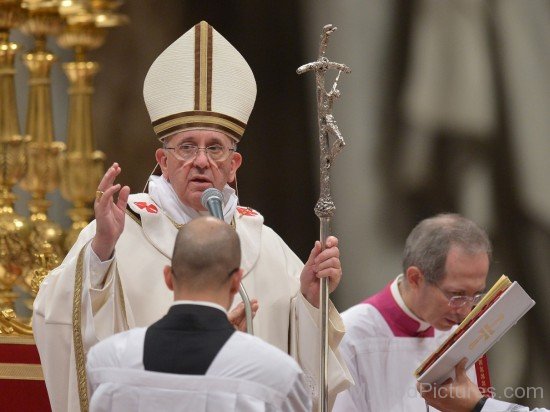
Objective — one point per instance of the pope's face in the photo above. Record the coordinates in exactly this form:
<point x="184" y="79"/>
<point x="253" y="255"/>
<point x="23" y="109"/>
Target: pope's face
<point x="192" y="177"/>
<point x="465" y="274"/>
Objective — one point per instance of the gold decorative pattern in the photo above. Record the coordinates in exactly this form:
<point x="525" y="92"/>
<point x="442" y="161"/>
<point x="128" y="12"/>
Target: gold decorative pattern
<point x="122" y="302"/>
<point x="21" y="371"/>
<point x="80" y="357"/>
<point x="135" y="219"/>
<point x="486" y="332"/>
<point x="203" y="65"/>
<point x="85" y="28"/>
<point x="9" y="325"/>
<point x="14" y="229"/>
<point x="197" y="62"/>
<point x="209" y="65"/>
<point x="164" y="119"/>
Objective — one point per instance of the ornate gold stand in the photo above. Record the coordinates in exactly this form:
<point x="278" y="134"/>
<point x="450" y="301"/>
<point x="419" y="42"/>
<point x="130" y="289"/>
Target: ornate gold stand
<point x="82" y="165"/>
<point x="14" y="230"/>
<point x="9" y="325"/>
<point x="45" y="242"/>
<point x="29" y="250"/>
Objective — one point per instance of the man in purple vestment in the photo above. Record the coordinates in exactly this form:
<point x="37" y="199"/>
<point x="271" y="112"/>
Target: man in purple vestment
<point x="445" y="265"/>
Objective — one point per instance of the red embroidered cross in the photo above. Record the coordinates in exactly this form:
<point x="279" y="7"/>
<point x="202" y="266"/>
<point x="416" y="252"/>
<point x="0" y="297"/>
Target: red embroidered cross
<point x="151" y="208"/>
<point x="246" y="211"/>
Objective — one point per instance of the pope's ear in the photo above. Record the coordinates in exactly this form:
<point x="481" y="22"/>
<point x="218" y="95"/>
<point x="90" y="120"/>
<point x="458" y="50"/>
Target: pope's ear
<point x="160" y="156"/>
<point x="236" y="162"/>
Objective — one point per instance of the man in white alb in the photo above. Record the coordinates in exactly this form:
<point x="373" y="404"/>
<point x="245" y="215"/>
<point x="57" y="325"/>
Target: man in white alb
<point x="445" y="266"/>
<point x="195" y="339"/>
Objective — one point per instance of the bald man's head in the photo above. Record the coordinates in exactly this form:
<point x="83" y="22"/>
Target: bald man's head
<point x="207" y="250"/>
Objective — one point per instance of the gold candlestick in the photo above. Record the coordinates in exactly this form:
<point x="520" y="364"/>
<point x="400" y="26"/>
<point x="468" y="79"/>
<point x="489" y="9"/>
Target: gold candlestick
<point x="43" y="175"/>
<point x="14" y="229"/>
<point x="83" y="167"/>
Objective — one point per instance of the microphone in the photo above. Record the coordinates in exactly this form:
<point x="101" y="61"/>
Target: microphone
<point x="212" y="200"/>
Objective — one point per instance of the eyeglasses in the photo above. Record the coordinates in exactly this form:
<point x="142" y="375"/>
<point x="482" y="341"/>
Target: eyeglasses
<point x="188" y="151"/>
<point x="458" y="301"/>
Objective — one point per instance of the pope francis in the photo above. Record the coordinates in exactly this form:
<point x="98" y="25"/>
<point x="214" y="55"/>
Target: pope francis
<point x="199" y="93"/>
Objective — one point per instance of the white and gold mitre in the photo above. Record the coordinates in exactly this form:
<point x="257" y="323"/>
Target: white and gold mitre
<point x="200" y="82"/>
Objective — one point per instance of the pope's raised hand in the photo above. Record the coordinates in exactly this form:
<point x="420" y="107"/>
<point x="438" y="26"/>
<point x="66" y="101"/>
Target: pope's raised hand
<point x="321" y="264"/>
<point x="109" y="214"/>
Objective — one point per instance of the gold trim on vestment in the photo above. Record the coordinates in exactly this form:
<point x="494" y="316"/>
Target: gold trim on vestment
<point x="80" y="357"/>
<point x="21" y="371"/>
<point x="121" y="301"/>
<point x="135" y="219"/>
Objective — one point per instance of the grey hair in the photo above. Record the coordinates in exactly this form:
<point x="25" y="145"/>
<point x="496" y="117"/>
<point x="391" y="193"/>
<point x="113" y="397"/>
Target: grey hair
<point x="429" y="243"/>
<point x="205" y="252"/>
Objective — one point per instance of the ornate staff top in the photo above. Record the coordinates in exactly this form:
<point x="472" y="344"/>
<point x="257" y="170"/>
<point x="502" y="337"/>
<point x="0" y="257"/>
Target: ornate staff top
<point x="327" y="124"/>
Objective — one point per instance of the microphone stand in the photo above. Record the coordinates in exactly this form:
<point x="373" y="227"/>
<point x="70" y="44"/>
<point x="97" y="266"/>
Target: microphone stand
<point x="207" y="200"/>
<point x="247" y="309"/>
<point x="324" y="209"/>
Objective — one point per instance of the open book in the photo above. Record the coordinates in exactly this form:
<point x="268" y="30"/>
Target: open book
<point x="498" y="311"/>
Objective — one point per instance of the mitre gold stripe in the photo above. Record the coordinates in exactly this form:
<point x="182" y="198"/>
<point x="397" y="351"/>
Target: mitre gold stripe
<point x="184" y="120"/>
<point x="164" y="119"/>
<point x="173" y="130"/>
<point x="21" y="371"/>
<point x="203" y="64"/>
<point x="204" y="45"/>
<point x="197" y="66"/>
<point x="209" y="70"/>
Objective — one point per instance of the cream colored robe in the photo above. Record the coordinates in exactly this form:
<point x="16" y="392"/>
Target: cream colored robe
<point x="134" y="294"/>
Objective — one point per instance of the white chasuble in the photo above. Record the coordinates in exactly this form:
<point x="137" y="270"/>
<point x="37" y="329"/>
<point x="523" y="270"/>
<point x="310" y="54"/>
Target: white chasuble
<point x="134" y="294"/>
